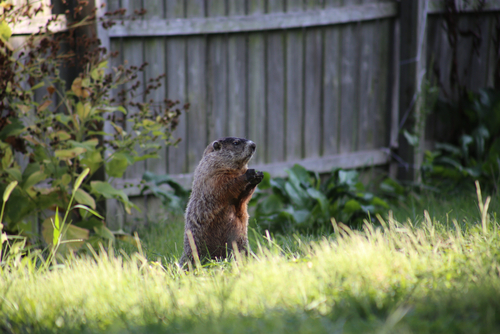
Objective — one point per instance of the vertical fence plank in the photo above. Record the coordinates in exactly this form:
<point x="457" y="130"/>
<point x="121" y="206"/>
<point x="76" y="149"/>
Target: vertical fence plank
<point x="275" y="77"/>
<point x="349" y="61"/>
<point x="479" y="63"/>
<point x="294" y="94"/>
<point x="115" y="213"/>
<point x="366" y="93"/>
<point x="176" y="88"/>
<point x="331" y="85"/>
<point x="381" y="84"/>
<point x="154" y="50"/>
<point x="196" y="89"/>
<point x="492" y="53"/>
<point x="133" y="56"/>
<point x="257" y="86"/>
<point x="313" y="86"/>
<point x="313" y="92"/>
<point x="411" y="26"/>
<point x="217" y="77"/>
<point x="294" y="86"/>
<point x="237" y="53"/>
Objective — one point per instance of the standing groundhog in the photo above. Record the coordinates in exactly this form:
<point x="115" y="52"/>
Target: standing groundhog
<point x="216" y="214"/>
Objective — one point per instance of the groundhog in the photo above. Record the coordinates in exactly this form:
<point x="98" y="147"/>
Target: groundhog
<point x="216" y="214"/>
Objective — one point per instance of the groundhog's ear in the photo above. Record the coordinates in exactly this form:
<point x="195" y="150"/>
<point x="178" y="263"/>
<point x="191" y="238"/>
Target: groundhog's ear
<point x="216" y="145"/>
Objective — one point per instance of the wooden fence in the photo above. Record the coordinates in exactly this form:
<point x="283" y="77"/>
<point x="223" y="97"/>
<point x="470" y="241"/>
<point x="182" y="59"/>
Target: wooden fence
<point x="325" y="83"/>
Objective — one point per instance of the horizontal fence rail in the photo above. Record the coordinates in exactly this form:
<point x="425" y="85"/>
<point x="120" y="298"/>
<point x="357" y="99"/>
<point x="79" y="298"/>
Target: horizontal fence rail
<point x="244" y="23"/>
<point x="324" y="164"/>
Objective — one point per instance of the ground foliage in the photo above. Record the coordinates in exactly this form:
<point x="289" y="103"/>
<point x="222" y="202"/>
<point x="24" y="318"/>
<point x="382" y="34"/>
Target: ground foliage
<point x="62" y="133"/>
<point x="474" y="154"/>
<point x="423" y="275"/>
<point x="305" y="202"/>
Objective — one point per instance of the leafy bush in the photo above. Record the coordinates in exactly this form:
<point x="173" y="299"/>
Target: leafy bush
<point x="63" y="132"/>
<point x="475" y="154"/>
<point x="302" y="202"/>
<point x="174" y="199"/>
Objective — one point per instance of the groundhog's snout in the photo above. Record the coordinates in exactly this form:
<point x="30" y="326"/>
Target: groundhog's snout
<point x="252" y="146"/>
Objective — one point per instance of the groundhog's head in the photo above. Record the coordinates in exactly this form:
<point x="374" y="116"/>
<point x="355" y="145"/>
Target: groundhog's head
<point x="234" y="151"/>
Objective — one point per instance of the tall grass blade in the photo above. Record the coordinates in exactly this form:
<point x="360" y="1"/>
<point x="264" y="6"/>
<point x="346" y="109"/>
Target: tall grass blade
<point x="57" y="229"/>
<point x="194" y="250"/>
<point x="483" y="208"/>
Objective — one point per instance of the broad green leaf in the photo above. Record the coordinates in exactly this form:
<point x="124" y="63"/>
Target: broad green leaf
<point x="69" y="153"/>
<point x="300" y="216"/>
<point x="91" y="159"/>
<point x="80" y="178"/>
<point x="349" y="177"/>
<point x="61" y="135"/>
<point x="322" y="200"/>
<point x="88" y="144"/>
<point x="65" y="119"/>
<point x="449" y="148"/>
<point x="8" y="190"/>
<point x="97" y="74"/>
<point x="104" y="232"/>
<point x="266" y="181"/>
<point x="271" y="204"/>
<point x="351" y="206"/>
<point x="412" y="139"/>
<point x="15" y="127"/>
<point x="5" y="31"/>
<point x="301" y="174"/>
<point x="69" y="233"/>
<point x="65" y="179"/>
<point x="122" y="109"/>
<point x="7" y="159"/>
<point x="103" y="64"/>
<point x="83" y="110"/>
<point x="118" y="165"/>
<point x="83" y="207"/>
<point x="33" y="179"/>
<point x="89" y="223"/>
<point x="15" y="173"/>
<point x="380" y="202"/>
<point x="82" y="197"/>
<point x="85" y="82"/>
<point x="297" y="195"/>
<point x="38" y="85"/>
<point x="107" y="191"/>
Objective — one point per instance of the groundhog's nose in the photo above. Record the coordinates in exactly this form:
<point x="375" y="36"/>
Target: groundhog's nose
<point x="252" y="146"/>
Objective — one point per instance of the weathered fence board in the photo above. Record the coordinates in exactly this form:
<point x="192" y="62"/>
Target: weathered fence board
<point x="310" y="81"/>
<point x="208" y="25"/>
<point x="313" y="91"/>
<point x="294" y="93"/>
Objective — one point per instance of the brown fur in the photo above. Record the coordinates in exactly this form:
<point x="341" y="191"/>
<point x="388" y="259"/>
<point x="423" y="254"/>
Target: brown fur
<point x="216" y="214"/>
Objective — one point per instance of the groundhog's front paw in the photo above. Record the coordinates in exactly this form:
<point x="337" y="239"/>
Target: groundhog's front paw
<point x="254" y="177"/>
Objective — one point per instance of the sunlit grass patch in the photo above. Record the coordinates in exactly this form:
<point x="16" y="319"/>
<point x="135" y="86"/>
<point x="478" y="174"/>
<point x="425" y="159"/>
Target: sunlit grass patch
<point x="397" y="276"/>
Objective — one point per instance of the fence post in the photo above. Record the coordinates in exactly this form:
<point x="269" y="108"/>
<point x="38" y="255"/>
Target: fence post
<point x="413" y="16"/>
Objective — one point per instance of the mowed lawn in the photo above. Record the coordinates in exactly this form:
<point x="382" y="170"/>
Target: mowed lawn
<point x="413" y="272"/>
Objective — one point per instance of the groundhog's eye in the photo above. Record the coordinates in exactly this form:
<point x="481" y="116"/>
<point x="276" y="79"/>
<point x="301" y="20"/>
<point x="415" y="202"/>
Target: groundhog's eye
<point x="236" y="143"/>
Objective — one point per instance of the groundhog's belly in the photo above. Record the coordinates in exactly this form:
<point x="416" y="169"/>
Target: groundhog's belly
<point x="224" y="231"/>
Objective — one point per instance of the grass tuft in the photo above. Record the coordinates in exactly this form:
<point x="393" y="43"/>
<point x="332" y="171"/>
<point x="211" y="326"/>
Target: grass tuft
<point x="431" y="273"/>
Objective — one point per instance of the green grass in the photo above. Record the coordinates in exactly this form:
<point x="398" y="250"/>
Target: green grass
<point x="429" y="274"/>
